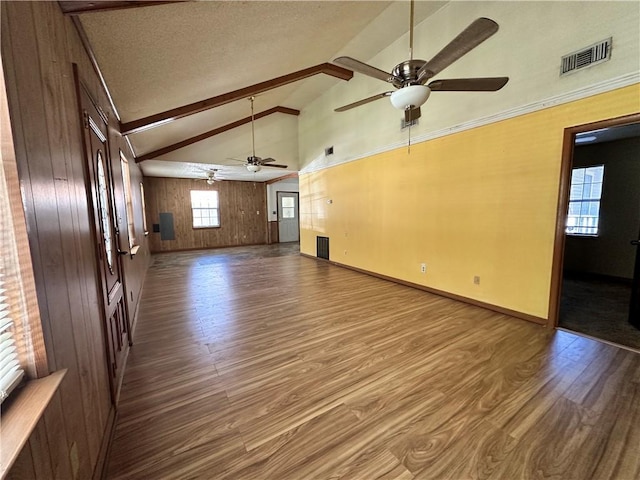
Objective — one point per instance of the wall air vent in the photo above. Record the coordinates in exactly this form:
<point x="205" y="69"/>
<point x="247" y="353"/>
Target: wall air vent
<point x="586" y="57"/>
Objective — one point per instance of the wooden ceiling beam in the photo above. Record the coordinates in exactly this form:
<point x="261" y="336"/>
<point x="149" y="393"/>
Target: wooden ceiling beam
<point x="77" y="7"/>
<point x="215" y="131"/>
<point x="284" y="177"/>
<point x="152" y="121"/>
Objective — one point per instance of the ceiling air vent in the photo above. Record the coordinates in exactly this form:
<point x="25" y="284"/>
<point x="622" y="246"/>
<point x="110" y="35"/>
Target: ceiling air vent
<point x="592" y="55"/>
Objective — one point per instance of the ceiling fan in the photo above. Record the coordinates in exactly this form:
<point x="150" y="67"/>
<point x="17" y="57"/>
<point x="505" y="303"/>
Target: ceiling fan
<point x="211" y="176"/>
<point x="411" y="76"/>
<point x="253" y="163"/>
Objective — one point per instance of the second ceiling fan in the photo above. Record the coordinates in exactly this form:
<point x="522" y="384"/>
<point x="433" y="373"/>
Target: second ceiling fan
<point x="411" y="76"/>
<point x="253" y="163"/>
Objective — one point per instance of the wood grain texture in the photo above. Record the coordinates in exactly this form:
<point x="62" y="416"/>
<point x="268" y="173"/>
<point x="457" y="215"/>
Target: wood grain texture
<point x="273" y="232"/>
<point x="243" y="213"/>
<point x="19" y="284"/>
<point x="216" y="131"/>
<point x="49" y="153"/>
<point x="266" y="364"/>
<point x="75" y="7"/>
<point x="157" y="119"/>
<point x="22" y="414"/>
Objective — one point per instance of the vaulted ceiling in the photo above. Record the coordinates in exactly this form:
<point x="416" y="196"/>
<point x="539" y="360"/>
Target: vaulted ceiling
<point x="179" y="73"/>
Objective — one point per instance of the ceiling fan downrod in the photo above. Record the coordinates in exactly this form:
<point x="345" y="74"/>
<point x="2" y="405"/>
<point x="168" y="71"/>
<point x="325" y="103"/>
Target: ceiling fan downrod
<point x="253" y="140"/>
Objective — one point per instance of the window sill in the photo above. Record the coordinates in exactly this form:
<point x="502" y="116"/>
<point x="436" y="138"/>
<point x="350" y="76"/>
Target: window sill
<point x="581" y="235"/>
<point x="22" y="414"/>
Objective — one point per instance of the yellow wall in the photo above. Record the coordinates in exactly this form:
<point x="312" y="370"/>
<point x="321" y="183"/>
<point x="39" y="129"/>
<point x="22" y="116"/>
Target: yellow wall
<point x="480" y="202"/>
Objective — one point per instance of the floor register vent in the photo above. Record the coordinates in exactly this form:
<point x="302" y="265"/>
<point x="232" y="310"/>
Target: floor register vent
<point x="586" y="57"/>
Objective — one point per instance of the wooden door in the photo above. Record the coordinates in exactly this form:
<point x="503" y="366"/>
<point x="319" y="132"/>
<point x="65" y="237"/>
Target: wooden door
<point x="288" y="225"/>
<point x="100" y="192"/>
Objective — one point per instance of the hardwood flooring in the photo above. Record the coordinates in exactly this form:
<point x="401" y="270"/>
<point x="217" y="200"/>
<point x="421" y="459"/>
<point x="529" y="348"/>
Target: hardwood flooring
<point x="257" y="363"/>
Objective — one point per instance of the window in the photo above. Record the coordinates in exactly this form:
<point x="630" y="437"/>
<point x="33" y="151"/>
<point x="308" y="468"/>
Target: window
<point x="126" y="184"/>
<point x="288" y="207"/>
<point x="584" y="201"/>
<point x="10" y="370"/>
<point x="144" y="210"/>
<point x="204" y="207"/>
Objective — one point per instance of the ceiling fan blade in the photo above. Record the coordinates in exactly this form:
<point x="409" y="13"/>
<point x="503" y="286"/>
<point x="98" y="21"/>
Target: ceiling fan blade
<point x="491" y="84"/>
<point x="267" y="160"/>
<point x="471" y="37"/>
<point x="362" y="102"/>
<point x="412" y="114"/>
<point x="276" y="165"/>
<point x="360" y="67"/>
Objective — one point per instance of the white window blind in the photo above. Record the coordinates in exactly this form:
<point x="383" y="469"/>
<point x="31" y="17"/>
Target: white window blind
<point x="10" y="371"/>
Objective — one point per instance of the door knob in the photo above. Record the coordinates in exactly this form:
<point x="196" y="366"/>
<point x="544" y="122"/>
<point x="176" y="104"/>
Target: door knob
<point x="635" y="242"/>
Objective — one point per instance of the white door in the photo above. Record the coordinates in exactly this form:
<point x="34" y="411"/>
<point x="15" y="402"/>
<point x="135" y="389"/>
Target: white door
<point x="288" y="227"/>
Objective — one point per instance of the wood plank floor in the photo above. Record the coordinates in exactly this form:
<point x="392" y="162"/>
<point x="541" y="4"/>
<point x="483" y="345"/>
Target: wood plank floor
<point x="257" y="363"/>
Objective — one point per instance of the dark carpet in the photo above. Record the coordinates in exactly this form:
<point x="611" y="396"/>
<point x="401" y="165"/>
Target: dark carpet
<point x="599" y="308"/>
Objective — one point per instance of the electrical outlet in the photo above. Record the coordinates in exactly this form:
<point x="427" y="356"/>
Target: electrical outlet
<point x="476" y="280"/>
<point x="423" y="268"/>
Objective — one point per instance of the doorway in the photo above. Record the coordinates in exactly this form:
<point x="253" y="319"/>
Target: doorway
<point x="596" y="276"/>
<point x="105" y="230"/>
<point x="288" y="223"/>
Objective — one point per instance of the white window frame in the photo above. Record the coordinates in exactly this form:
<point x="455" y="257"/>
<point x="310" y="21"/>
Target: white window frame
<point x="584" y="224"/>
<point x="205" y="207"/>
<point x="144" y="210"/>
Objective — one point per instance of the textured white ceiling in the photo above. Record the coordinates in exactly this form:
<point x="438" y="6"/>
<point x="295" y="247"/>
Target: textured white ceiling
<point x="166" y="56"/>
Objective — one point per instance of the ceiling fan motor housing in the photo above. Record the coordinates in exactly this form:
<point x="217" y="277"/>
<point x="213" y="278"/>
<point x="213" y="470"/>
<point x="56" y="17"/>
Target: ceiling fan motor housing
<point x="406" y="73"/>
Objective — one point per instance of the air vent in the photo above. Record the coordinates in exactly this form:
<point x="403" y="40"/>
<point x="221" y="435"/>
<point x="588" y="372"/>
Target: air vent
<point x="596" y="53"/>
<point x="412" y="123"/>
<point x="322" y="247"/>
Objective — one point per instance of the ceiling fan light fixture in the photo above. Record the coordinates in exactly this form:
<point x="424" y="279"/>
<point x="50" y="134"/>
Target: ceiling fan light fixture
<point x="253" y="168"/>
<point x="411" y="96"/>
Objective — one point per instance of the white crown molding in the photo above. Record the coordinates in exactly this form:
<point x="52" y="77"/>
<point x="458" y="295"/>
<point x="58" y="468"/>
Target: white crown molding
<point x="321" y="162"/>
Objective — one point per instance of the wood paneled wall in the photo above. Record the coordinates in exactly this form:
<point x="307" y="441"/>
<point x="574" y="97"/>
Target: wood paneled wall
<point x="39" y="46"/>
<point x="274" y="233"/>
<point x="243" y="215"/>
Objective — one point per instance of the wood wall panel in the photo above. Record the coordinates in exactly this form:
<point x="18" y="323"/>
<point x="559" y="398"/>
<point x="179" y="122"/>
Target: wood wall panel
<point x="243" y="213"/>
<point x="39" y="46"/>
<point x="274" y="233"/>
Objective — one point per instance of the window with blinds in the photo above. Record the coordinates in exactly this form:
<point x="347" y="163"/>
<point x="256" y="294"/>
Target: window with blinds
<point x="10" y="371"/>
